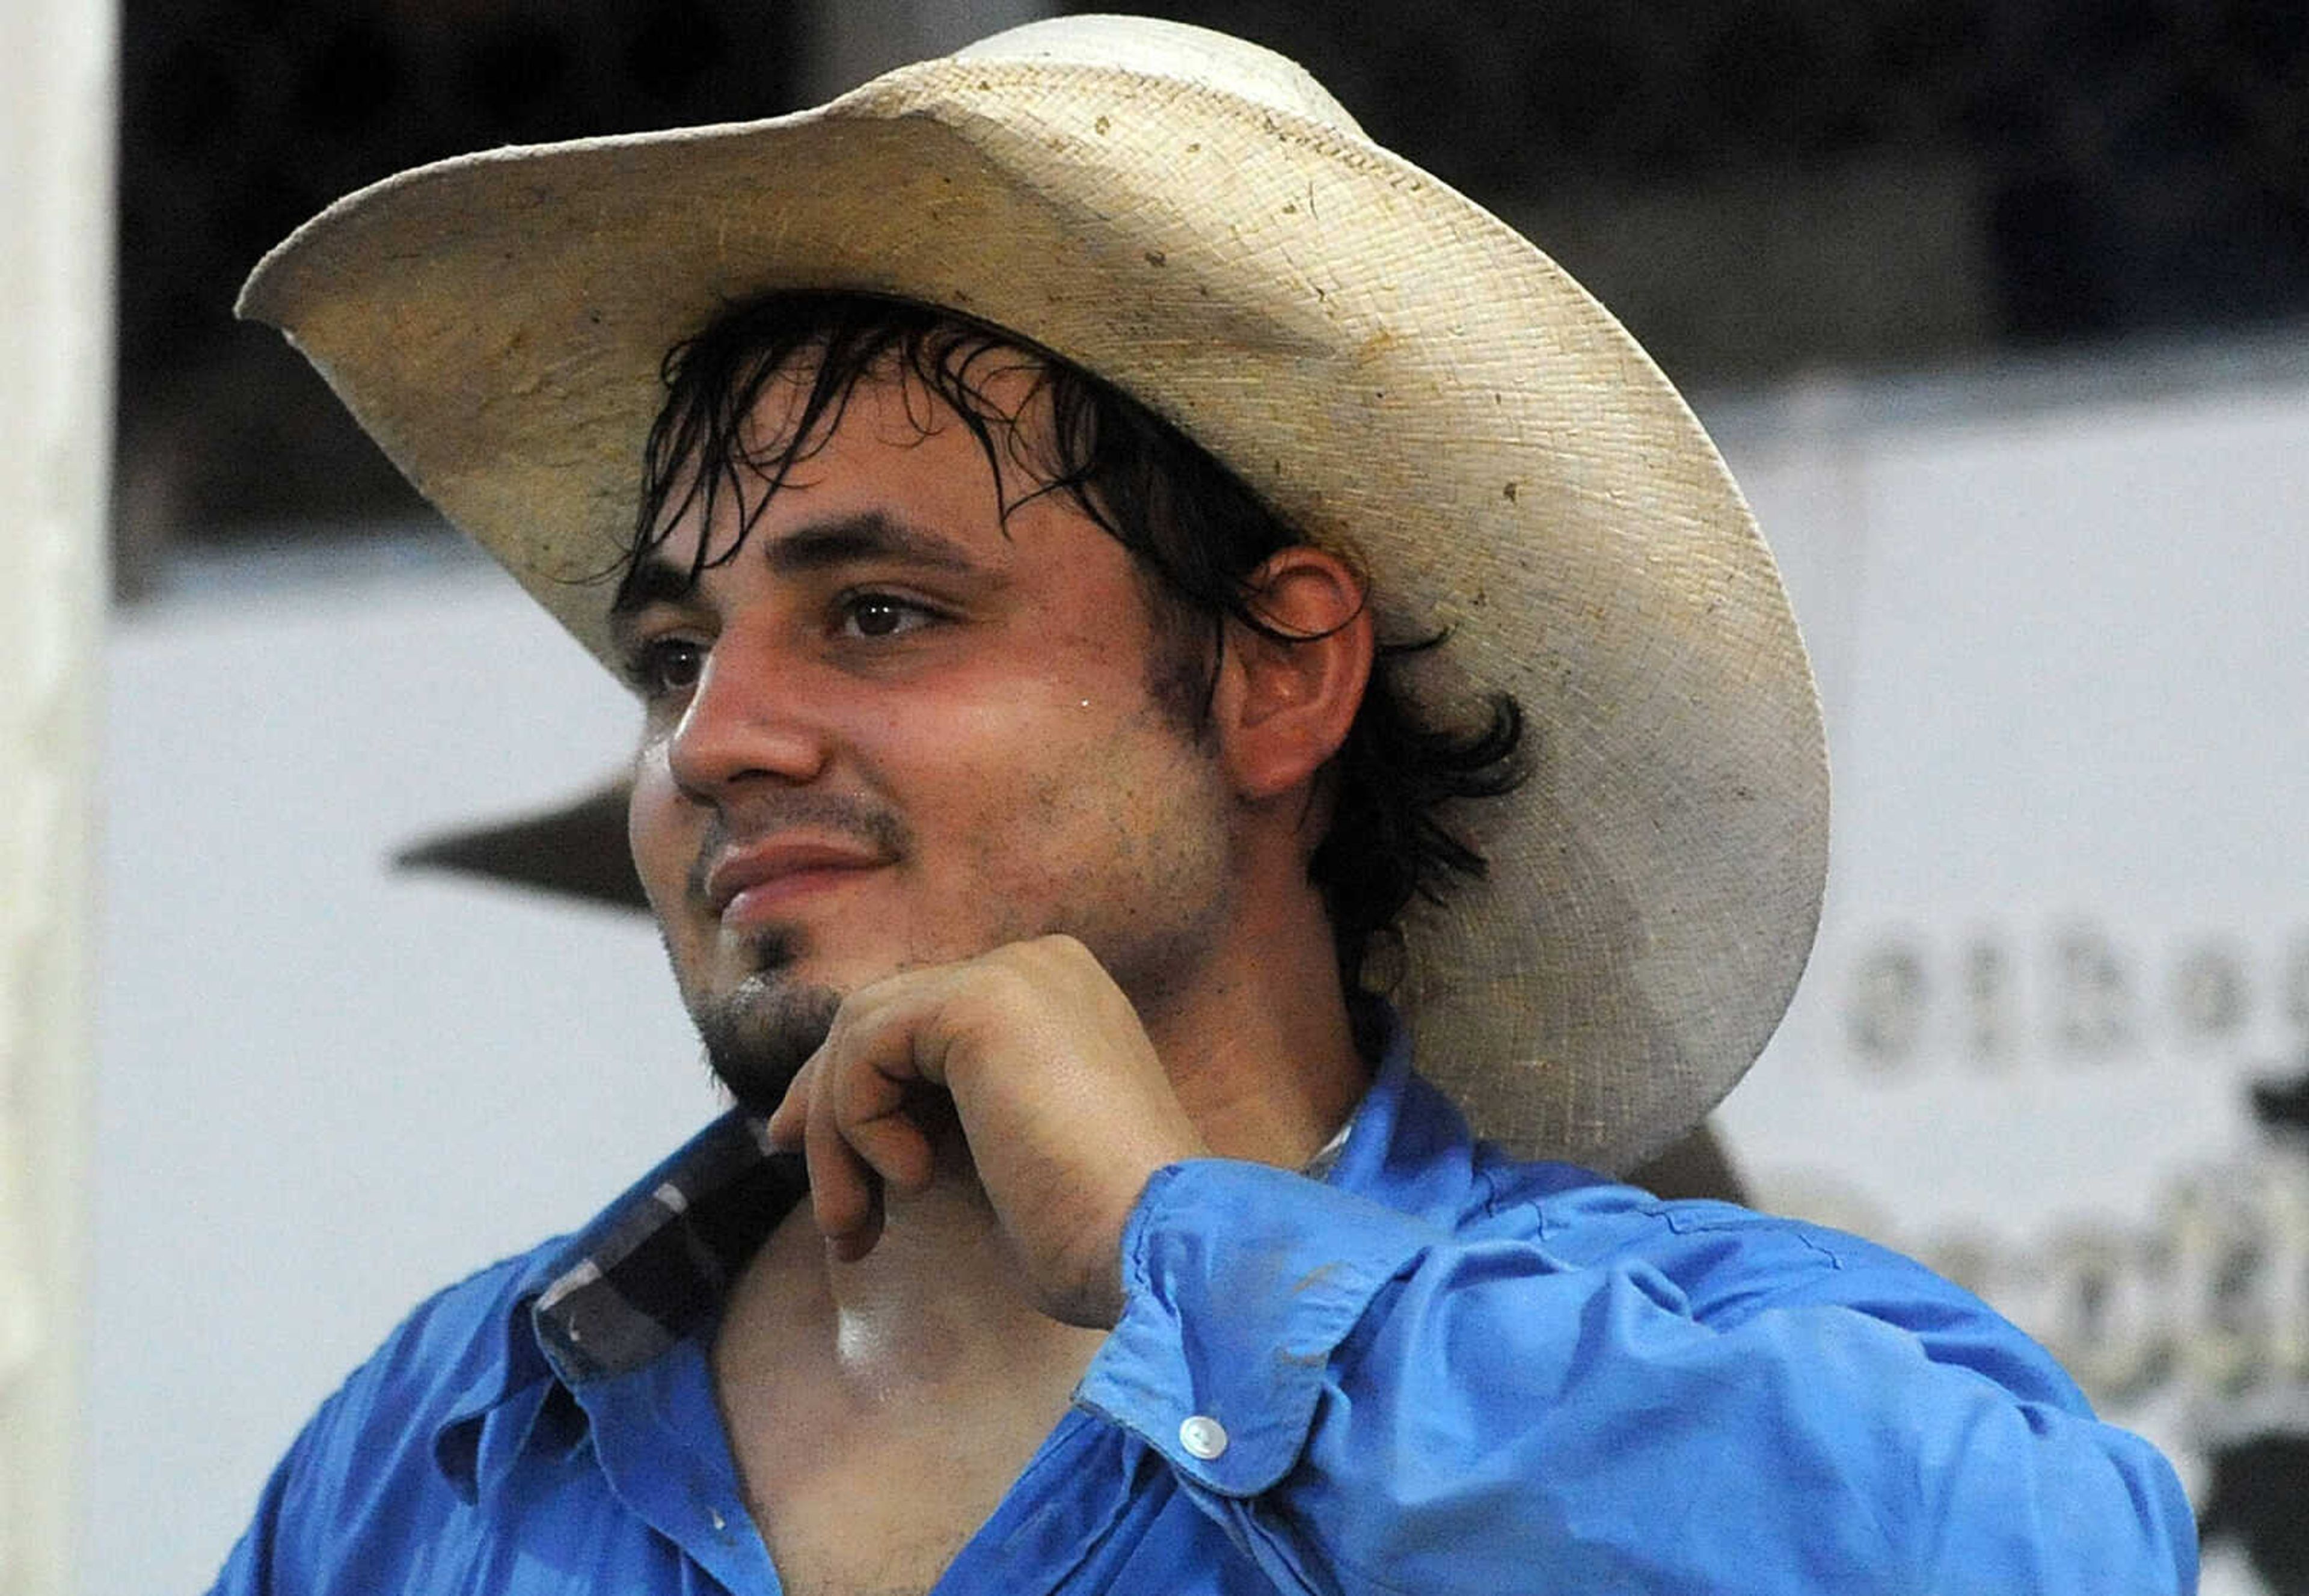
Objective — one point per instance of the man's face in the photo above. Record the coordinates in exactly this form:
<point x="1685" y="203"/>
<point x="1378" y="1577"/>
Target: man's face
<point x="898" y="729"/>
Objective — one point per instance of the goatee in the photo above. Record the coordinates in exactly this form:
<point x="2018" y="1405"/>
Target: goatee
<point x="758" y="1036"/>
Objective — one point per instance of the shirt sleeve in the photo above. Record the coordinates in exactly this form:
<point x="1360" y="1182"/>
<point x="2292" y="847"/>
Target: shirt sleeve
<point x="1368" y="1403"/>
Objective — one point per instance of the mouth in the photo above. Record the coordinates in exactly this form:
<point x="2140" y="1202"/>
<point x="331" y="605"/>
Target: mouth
<point x="749" y="885"/>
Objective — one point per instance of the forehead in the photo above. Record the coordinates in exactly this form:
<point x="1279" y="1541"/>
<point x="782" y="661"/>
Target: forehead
<point x="962" y="435"/>
<point x="920" y="385"/>
<point x="986" y="432"/>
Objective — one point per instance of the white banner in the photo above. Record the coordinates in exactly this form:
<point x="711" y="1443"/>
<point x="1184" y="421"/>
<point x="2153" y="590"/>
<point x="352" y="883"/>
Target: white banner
<point x="2055" y="1036"/>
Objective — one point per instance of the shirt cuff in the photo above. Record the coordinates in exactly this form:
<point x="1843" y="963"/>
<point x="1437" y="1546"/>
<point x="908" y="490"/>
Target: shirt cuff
<point x="1239" y="1282"/>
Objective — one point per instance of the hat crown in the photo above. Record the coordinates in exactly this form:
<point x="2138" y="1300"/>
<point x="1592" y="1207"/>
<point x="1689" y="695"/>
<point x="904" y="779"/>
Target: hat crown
<point x="1149" y="46"/>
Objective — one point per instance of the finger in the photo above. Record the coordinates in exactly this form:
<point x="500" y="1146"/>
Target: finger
<point x="895" y="1142"/>
<point x="844" y="1192"/>
<point x="786" y="1120"/>
<point x="874" y="1089"/>
<point x="886" y="1023"/>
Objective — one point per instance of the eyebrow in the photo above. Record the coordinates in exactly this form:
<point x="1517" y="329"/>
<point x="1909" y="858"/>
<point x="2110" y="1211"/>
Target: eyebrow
<point x="815" y="546"/>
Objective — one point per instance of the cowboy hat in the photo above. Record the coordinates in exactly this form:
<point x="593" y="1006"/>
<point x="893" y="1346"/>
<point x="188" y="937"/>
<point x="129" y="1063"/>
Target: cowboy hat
<point x="1395" y="371"/>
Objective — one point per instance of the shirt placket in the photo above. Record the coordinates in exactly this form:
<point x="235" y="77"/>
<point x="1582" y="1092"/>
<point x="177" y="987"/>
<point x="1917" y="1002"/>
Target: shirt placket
<point x="659" y="1439"/>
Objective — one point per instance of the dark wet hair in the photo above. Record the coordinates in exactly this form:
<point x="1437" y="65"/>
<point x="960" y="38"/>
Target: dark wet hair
<point x="1197" y="531"/>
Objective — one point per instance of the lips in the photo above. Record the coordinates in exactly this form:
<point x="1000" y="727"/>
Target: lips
<point x="763" y="875"/>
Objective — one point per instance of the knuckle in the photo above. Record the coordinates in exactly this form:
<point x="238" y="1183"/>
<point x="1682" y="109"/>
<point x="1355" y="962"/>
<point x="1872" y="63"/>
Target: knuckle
<point x="1062" y="948"/>
<point x="839" y="1032"/>
<point x="1008" y="978"/>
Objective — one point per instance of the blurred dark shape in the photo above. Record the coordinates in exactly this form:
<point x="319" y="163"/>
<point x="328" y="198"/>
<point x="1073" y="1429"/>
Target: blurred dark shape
<point x="2042" y="228"/>
<point x="675" y="44"/>
<point x="1758" y="187"/>
<point x="578" y="850"/>
<point x="2127" y="166"/>
<point x="519" y="73"/>
<point x="355" y="78"/>
<point x="241" y="118"/>
<point x="2260" y="1495"/>
<point x="2283" y="1106"/>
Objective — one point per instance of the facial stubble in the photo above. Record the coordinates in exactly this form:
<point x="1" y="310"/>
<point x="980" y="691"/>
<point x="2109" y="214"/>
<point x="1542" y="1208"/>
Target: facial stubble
<point x="759" y="1034"/>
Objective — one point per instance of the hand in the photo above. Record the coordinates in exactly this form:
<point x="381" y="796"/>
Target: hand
<point x="1064" y="1105"/>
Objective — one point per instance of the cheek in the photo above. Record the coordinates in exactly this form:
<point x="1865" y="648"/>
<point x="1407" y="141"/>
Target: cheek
<point x="658" y="830"/>
<point x="1084" y="797"/>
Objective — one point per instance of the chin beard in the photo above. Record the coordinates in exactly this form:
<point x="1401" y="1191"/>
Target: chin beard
<point x="759" y="1036"/>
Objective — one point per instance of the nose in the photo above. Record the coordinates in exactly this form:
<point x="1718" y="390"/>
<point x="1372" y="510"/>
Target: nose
<point x="744" y="724"/>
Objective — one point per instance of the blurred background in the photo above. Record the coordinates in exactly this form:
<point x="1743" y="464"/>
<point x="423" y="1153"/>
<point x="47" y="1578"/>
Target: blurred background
<point x="2000" y="310"/>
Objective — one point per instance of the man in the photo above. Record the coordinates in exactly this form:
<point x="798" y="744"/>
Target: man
<point x="1124" y="577"/>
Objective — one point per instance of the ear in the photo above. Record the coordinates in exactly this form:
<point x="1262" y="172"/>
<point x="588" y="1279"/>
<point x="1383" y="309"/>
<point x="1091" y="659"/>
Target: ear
<point x="1282" y="703"/>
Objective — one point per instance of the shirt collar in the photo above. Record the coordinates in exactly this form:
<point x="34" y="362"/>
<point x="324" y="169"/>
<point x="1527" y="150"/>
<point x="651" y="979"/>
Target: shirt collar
<point x="651" y="1268"/>
<point x="1407" y="1145"/>
<point x="654" y="1267"/>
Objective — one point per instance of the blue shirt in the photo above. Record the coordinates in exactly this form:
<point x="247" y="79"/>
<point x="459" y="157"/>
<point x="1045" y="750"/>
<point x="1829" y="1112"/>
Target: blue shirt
<point x="1434" y="1370"/>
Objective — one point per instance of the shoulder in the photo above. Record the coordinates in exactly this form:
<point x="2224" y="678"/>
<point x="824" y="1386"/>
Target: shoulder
<point x="451" y="1349"/>
<point x="373" y="1458"/>
<point x="1729" y="1266"/>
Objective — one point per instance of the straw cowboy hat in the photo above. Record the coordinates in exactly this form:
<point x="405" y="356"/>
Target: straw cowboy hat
<point x="1392" y="368"/>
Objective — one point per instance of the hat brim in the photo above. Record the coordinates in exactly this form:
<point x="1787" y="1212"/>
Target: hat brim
<point x="1395" y="370"/>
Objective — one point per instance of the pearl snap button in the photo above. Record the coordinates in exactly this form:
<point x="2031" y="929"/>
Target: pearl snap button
<point x="1203" y="1437"/>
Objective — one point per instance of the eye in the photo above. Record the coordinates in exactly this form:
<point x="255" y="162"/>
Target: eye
<point x="882" y="615"/>
<point x="666" y="665"/>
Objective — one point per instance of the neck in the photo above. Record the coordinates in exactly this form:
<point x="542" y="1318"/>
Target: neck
<point x="933" y="1308"/>
<point x="1260" y="1049"/>
<point x="1262" y="1056"/>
